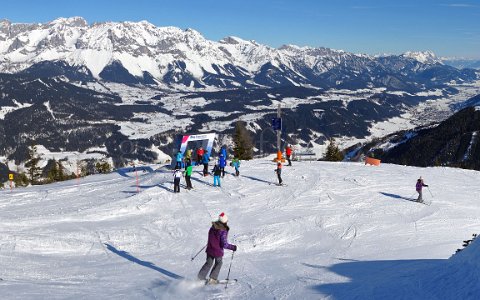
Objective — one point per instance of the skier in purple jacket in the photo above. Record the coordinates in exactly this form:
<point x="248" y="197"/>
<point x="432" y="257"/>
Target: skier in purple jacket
<point x="420" y="184"/>
<point x="217" y="241"/>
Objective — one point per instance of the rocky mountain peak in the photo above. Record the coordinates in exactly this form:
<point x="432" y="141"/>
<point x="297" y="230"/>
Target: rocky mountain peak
<point x="423" y="56"/>
<point x="71" y="21"/>
<point x="5" y="23"/>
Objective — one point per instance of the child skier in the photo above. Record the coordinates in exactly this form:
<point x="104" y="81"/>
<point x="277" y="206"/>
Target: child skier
<point x="217" y="241"/>
<point x="236" y="165"/>
<point x="217" y="171"/>
<point x="188" y="175"/>
<point x="420" y="184"/>
<point x="177" y="174"/>
<point x="279" y="172"/>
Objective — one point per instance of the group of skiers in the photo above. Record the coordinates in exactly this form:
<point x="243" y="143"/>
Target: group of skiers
<point x="203" y="158"/>
<point x="218" y="171"/>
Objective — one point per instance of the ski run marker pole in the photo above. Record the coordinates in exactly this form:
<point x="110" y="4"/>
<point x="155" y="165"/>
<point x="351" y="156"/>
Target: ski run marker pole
<point x="198" y="252"/>
<point x="229" y="268"/>
<point x="136" y="175"/>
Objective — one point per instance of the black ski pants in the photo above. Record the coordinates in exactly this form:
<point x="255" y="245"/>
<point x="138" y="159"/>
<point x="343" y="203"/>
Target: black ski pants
<point x="176" y="185"/>
<point x="188" y="181"/>
<point x="205" y="169"/>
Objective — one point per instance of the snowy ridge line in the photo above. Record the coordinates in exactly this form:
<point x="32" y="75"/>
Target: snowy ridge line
<point x="185" y="56"/>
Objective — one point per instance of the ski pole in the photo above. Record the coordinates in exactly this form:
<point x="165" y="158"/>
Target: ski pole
<point x="198" y="252"/>
<point x="429" y="191"/>
<point x="229" y="268"/>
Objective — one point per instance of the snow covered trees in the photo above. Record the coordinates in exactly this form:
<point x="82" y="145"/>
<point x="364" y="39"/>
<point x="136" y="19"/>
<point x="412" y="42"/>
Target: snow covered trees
<point x="103" y="167"/>
<point x="33" y="170"/>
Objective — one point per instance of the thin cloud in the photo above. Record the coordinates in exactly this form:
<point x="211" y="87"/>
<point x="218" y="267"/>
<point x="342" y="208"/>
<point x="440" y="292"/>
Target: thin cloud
<point x="365" y="7"/>
<point x="460" y="5"/>
<point x="387" y="6"/>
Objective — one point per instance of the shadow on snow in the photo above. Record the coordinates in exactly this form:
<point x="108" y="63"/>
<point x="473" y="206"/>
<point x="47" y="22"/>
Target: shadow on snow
<point x="147" y="264"/>
<point x="389" y="279"/>
<point x="256" y="179"/>
<point x="398" y="197"/>
<point x="123" y="171"/>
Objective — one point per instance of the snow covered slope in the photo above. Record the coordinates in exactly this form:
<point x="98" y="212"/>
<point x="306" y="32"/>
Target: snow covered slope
<point x="336" y="231"/>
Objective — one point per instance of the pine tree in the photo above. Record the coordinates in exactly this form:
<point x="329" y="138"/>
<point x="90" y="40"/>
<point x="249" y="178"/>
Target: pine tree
<point x="243" y="148"/>
<point x="20" y="179"/>
<point x="333" y="153"/>
<point x="103" y="167"/>
<point x="52" y="174"/>
<point x="32" y="164"/>
<point x="61" y="174"/>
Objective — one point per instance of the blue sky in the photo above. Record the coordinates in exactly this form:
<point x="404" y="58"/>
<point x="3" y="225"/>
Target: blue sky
<point x="449" y="28"/>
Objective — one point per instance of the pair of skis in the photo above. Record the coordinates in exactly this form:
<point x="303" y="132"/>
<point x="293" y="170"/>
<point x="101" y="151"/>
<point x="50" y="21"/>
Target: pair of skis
<point x="223" y="281"/>
<point x="277" y="184"/>
<point x="421" y="202"/>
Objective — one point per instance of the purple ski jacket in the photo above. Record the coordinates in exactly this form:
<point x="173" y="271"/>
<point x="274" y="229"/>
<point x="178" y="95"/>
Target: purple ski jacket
<point x="217" y="239"/>
<point x="419" y="185"/>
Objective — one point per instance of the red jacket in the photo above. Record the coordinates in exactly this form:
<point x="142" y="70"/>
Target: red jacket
<point x="288" y="151"/>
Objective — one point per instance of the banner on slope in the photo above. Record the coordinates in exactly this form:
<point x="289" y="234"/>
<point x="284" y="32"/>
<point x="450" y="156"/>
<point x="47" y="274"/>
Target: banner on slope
<point x="199" y="140"/>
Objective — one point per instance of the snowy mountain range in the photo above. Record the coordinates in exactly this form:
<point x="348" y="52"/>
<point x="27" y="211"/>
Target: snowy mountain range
<point x="145" y="53"/>
<point x="71" y="86"/>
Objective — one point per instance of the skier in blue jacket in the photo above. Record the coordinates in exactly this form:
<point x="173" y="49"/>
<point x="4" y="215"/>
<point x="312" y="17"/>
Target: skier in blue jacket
<point x="224" y="151"/>
<point x="205" y="160"/>
<point x="222" y="162"/>
<point x="179" y="159"/>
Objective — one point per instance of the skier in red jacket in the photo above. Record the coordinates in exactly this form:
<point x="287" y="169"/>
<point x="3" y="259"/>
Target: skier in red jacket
<point x="288" y="152"/>
<point x="200" y="153"/>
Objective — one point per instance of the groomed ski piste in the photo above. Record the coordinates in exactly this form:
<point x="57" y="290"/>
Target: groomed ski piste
<point x="335" y="231"/>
